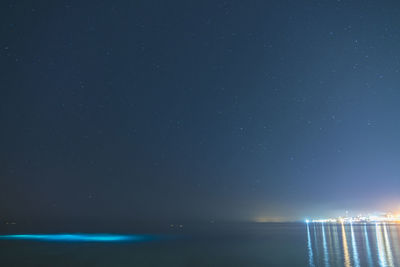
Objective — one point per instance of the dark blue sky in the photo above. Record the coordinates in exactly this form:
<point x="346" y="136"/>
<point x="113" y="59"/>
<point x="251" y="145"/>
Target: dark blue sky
<point x="198" y="110"/>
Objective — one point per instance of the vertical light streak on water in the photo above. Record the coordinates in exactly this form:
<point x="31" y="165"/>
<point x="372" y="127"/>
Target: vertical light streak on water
<point x="394" y="238"/>
<point x="330" y="245"/>
<point x="345" y="248"/>
<point x="316" y="241"/>
<point x="388" y="248"/>
<point x="398" y="231"/>
<point x="309" y="246"/>
<point x="336" y="244"/>
<point x="369" y="257"/>
<point x="380" y="246"/>
<point x="354" y="247"/>
<point x="326" y="255"/>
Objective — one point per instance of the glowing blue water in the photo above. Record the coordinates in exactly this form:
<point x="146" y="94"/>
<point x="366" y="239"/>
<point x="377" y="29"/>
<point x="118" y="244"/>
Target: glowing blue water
<point x="78" y="237"/>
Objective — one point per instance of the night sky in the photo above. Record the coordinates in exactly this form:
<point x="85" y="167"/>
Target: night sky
<point x="198" y="110"/>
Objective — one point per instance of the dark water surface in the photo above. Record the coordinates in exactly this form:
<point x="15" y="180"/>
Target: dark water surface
<point x="292" y="244"/>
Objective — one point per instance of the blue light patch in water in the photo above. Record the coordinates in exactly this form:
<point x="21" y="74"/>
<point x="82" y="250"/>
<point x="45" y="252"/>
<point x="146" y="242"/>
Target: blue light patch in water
<point x="78" y="237"/>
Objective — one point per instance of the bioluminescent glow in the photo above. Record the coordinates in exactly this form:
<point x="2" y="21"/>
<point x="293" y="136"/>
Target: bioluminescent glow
<point x="78" y="237"/>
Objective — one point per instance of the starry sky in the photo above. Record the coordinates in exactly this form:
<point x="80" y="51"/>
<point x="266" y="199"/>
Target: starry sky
<point x="198" y="110"/>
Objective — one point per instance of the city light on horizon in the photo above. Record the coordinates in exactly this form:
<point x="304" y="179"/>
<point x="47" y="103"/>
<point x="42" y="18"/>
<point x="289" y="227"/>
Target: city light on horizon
<point x="386" y="218"/>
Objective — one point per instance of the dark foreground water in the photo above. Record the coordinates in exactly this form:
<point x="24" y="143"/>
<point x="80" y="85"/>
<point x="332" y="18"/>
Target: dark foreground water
<point x="294" y="244"/>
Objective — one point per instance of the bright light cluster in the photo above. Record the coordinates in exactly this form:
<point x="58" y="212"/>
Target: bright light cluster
<point x="391" y="218"/>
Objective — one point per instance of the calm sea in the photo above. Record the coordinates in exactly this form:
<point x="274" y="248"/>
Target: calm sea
<point x="292" y="244"/>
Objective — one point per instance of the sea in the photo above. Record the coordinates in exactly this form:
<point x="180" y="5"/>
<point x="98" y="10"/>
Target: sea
<point x="216" y="244"/>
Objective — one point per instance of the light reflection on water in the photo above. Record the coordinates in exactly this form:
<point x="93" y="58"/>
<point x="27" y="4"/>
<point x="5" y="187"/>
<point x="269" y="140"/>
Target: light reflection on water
<point x="336" y="244"/>
<point x="388" y="248"/>
<point x="326" y="254"/>
<point x="367" y="247"/>
<point x="380" y="245"/>
<point x="345" y="248"/>
<point x="310" y="251"/>
<point x="353" y="245"/>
